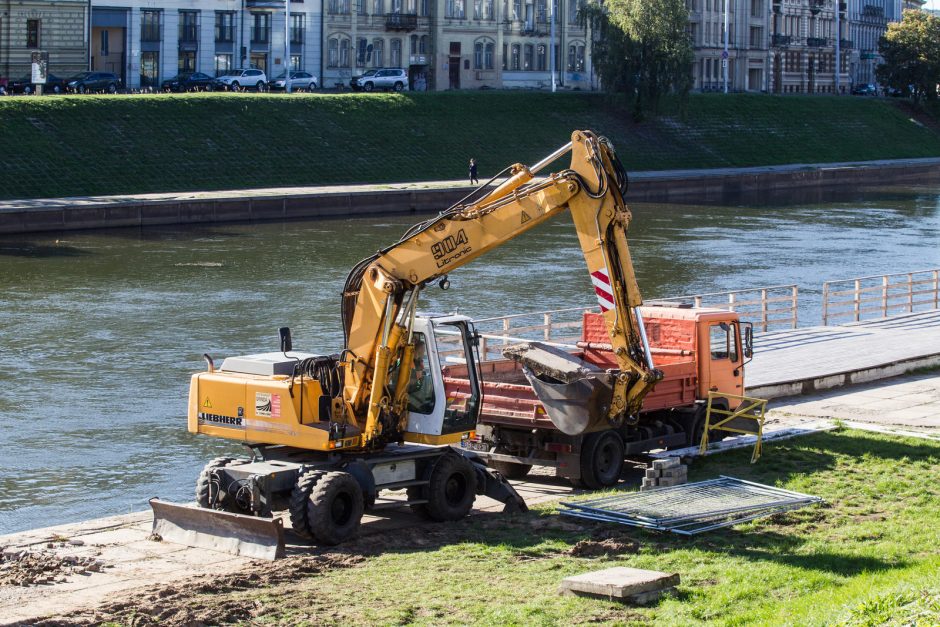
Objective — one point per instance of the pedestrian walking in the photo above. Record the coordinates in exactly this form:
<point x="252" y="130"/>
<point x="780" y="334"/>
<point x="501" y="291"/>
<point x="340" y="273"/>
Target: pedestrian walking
<point x="473" y="172"/>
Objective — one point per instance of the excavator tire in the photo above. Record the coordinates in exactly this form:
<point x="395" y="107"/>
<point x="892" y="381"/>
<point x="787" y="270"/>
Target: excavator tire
<point x="510" y="470"/>
<point x="335" y="508"/>
<point x="299" y="497"/>
<point x="203" y="483"/>
<point x="601" y="459"/>
<point x="452" y="489"/>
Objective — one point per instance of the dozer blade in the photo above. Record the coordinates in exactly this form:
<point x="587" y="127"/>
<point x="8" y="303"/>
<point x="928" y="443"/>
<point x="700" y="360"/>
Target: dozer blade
<point x="250" y="536"/>
<point x="576" y="394"/>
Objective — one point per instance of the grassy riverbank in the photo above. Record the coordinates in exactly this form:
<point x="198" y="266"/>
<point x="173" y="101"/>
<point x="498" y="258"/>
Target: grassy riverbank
<point x="867" y="557"/>
<point x="88" y="145"/>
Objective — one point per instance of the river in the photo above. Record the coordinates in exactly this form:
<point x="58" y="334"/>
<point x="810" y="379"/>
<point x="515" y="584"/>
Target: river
<point x="101" y="329"/>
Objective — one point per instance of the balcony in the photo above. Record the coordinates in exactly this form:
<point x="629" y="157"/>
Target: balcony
<point x="817" y="42"/>
<point x="781" y="40"/>
<point x="264" y="4"/>
<point x="815" y="6"/>
<point x="846" y="44"/>
<point x="870" y="10"/>
<point x="401" y="21"/>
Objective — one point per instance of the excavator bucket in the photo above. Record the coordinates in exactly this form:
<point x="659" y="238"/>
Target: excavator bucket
<point x="238" y="534"/>
<point x="576" y="394"/>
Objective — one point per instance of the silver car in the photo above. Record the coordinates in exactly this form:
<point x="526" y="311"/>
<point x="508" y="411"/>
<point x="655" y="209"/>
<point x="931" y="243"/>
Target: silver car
<point x="389" y="78"/>
<point x="242" y="78"/>
<point x="299" y="81"/>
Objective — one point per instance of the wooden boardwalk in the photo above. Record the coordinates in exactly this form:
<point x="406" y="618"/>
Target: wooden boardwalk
<point x="800" y="361"/>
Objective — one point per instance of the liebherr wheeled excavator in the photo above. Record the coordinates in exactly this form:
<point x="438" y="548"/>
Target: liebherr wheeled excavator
<point x="329" y="433"/>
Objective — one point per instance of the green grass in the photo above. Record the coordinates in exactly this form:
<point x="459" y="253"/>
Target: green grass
<point x="869" y="556"/>
<point x="89" y="145"/>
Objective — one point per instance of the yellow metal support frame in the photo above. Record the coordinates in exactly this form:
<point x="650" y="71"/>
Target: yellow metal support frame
<point x="750" y="409"/>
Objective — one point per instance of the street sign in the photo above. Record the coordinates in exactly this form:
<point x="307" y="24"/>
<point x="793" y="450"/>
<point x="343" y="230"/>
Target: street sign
<point x="724" y="63"/>
<point x="724" y="54"/>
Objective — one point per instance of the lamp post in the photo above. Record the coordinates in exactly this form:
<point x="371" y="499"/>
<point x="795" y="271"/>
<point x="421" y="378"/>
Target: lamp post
<point x="551" y="45"/>
<point x="838" y="71"/>
<point x="286" y="46"/>
<point x="724" y="54"/>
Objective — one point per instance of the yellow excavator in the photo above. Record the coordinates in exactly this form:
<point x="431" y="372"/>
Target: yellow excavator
<point x="328" y="434"/>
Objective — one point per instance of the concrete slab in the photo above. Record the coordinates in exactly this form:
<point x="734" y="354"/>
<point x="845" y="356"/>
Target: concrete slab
<point x="620" y="584"/>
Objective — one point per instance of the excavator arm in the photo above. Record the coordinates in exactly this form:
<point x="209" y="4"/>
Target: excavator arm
<point x="381" y="293"/>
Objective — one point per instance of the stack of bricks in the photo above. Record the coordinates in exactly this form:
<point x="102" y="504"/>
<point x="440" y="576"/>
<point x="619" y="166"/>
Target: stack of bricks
<point x="665" y="473"/>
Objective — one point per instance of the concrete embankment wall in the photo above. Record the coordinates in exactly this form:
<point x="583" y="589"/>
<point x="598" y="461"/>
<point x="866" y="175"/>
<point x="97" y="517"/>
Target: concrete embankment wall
<point x="802" y="183"/>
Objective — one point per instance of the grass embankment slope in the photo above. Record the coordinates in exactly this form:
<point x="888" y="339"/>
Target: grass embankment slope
<point x="868" y="556"/>
<point x="88" y="145"/>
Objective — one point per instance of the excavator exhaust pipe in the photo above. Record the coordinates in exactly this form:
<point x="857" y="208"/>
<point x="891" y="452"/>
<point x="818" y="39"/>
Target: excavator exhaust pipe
<point x="238" y="534"/>
<point x="576" y="394"/>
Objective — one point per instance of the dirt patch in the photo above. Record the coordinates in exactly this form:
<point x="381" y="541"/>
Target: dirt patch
<point x="32" y="568"/>
<point x="605" y="545"/>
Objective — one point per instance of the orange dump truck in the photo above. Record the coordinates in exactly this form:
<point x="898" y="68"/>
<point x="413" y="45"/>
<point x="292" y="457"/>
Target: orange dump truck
<point x="698" y="350"/>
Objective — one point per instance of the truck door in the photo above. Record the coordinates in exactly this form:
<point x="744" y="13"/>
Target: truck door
<point x="724" y="355"/>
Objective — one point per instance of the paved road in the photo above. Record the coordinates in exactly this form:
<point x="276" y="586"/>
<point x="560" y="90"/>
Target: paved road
<point x="134" y="562"/>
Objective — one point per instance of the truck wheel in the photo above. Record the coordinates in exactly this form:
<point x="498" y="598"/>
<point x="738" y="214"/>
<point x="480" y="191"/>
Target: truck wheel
<point x="335" y="508"/>
<point x="601" y="459"/>
<point x="299" y="497"/>
<point x="510" y="470"/>
<point x="452" y="489"/>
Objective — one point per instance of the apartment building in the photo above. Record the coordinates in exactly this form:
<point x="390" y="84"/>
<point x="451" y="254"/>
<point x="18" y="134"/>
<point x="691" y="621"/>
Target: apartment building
<point x="147" y="41"/>
<point x="459" y="44"/>
<point x="55" y="27"/>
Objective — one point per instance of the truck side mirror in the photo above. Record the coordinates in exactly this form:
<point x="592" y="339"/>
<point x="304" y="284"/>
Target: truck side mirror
<point x="748" y="340"/>
<point x="286" y="343"/>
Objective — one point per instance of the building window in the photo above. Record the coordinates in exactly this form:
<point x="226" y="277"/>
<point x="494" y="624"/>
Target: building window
<point x="223" y="63"/>
<point x="378" y="53"/>
<point x="478" y="9"/>
<point x="515" y="61"/>
<point x="361" y="7"/>
<point x="487" y="9"/>
<point x="297" y="28"/>
<point x="187" y="61"/>
<point x="541" y="57"/>
<point x="378" y="7"/>
<point x="395" y="53"/>
<point x="574" y="6"/>
<point x="478" y="56"/>
<point x="338" y="52"/>
<point x="149" y="27"/>
<point x="527" y="63"/>
<point x="362" y="47"/>
<point x="414" y="44"/>
<point x="260" y="28"/>
<point x="541" y="13"/>
<point x="344" y="52"/>
<point x="224" y="29"/>
<point x="105" y="44"/>
<point x="296" y="63"/>
<point x="455" y="9"/>
<point x="424" y="7"/>
<point x="488" y="55"/>
<point x="32" y="33"/>
<point x="505" y="58"/>
<point x="423" y="44"/>
<point x="579" y="59"/>
<point x="188" y="26"/>
<point x="338" y="7"/>
<point x="517" y="9"/>
<point x="572" y="53"/>
<point x="149" y="69"/>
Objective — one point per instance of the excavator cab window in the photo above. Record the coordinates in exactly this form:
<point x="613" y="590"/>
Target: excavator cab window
<point x="421" y="383"/>
<point x="455" y="341"/>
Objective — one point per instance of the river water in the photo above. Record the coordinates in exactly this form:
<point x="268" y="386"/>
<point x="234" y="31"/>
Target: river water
<point x="102" y="329"/>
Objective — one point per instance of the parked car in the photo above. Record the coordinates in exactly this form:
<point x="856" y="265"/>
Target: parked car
<point x="188" y="81"/>
<point x="299" y="81"/>
<point x="389" y="78"/>
<point x="354" y="81"/>
<point x="865" y="89"/>
<point x="242" y="78"/>
<point x="93" y="81"/>
<point x="3" y="87"/>
<point x="53" y="85"/>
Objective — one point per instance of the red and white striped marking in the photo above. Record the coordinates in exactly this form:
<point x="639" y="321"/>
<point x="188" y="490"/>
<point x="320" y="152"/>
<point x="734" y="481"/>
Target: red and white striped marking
<point x="603" y="289"/>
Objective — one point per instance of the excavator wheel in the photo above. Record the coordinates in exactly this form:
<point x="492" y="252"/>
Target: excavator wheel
<point x="299" y="497"/>
<point x="601" y="459"/>
<point x="204" y="482"/>
<point x="335" y="508"/>
<point x="452" y="489"/>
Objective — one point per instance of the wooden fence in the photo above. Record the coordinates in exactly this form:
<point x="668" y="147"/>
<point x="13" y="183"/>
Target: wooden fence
<point x="880" y="296"/>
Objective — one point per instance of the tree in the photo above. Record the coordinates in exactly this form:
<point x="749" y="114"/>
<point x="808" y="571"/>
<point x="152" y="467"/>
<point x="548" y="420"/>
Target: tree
<point x="911" y="52"/>
<point x="641" y="48"/>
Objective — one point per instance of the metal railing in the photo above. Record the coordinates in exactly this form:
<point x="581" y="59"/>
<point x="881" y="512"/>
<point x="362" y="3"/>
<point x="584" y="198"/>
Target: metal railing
<point x="559" y="326"/>
<point x="880" y="295"/>
<point x="766" y="307"/>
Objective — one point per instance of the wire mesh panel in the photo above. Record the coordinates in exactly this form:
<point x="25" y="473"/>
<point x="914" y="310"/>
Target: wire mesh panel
<point x="692" y="507"/>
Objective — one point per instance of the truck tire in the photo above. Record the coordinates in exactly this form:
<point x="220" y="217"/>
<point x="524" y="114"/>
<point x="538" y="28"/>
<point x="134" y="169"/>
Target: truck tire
<point x="204" y="482"/>
<point x="299" y="497"/>
<point x="601" y="459"/>
<point x="335" y="508"/>
<point x="452" y="489"/>
<point x="510" y="470"/>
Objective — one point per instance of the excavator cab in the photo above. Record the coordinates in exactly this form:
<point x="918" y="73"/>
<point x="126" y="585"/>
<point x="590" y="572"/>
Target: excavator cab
<point x="435" y="414"/>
